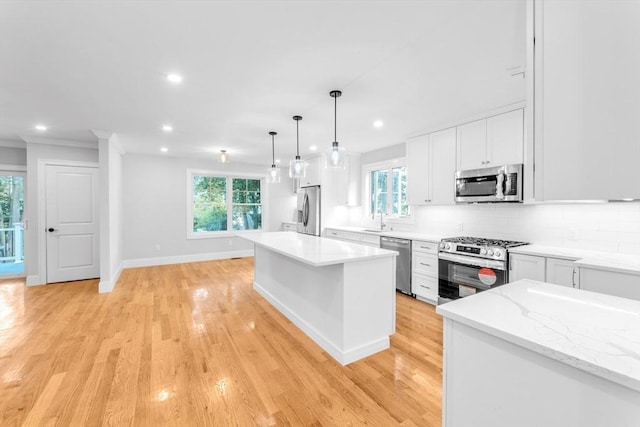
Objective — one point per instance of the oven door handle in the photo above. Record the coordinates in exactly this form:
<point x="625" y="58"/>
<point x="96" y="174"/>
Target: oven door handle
<point x="479" y="262"/>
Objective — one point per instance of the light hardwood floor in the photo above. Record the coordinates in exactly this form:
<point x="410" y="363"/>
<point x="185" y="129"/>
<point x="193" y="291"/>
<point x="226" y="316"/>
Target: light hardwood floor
<point x="194" y="345"/>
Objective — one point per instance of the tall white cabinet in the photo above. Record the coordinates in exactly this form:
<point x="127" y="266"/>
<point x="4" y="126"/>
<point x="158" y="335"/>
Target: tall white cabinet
<point x="431" y="161"/>
<point x="587" y="99"/>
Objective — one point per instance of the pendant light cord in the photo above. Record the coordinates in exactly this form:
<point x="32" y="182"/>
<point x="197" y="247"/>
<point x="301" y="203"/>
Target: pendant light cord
<point x="335" y="118"/>
<point x="297" y="139"/>
<point x="273" y="151"/>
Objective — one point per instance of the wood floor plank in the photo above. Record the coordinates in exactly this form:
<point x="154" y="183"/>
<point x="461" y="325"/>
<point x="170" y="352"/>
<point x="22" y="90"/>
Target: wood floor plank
<point x="193" y="344"/>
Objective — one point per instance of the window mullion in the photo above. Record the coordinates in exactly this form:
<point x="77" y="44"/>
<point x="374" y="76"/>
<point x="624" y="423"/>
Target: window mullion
<point x="229" y="203"/>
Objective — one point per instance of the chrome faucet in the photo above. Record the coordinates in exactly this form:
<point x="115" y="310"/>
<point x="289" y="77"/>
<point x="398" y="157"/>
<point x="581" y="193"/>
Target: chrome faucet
<point x="382" y="224"/>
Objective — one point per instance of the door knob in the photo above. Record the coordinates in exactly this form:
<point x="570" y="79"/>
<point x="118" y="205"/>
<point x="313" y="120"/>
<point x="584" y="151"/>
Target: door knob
<point x="51" y="230"/>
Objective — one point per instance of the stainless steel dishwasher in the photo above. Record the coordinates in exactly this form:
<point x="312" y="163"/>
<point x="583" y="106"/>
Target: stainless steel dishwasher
<point x="403" y="261"/>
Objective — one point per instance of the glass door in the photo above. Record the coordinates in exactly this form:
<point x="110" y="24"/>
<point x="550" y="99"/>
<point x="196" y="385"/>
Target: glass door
<point x="11" y="224"/>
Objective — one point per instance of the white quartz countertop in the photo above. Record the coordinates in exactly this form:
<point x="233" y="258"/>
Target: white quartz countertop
<point x="596" y="333"/>
<point x="399" y="234"/>
<point x="316" y="251"/>
<point x="626" y="263"/>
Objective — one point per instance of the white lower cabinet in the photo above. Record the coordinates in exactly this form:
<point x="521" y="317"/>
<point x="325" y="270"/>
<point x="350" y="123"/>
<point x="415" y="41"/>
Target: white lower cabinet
<point x="424" y="270"/>
<point x="560" y="272"/>
<point x="526" y="267"/>
<point x="544" y="269"/>
<point x="609" y="282"/>
<point x="288" y="226"/>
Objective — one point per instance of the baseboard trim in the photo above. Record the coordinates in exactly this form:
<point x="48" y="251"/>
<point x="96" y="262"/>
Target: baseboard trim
<point x="148" y="262"/>
<point x="106" y="286"/>
<point x="344" y="357"/>
<point x="34" y="280"/>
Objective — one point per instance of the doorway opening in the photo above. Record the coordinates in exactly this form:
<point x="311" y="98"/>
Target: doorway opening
<point x="11" y="224"/>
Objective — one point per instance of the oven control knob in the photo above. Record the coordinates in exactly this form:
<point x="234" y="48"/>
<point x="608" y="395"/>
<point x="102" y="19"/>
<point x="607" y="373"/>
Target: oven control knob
<point x="447" y="246"/>
<point x="490" y="252"/>
<point x="483" y="251"/>
<point x="497" y="253"/>
<point x="441" y="245"/>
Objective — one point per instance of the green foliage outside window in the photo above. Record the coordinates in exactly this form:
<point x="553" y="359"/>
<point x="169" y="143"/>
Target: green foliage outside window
<point x="212" y="209"/>
<point x="381" y="187"/>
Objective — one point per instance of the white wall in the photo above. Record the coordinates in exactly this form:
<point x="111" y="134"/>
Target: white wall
<point x="13" y="156"/>
<point x="155" y="210"/>
<point x="35" y="152"/>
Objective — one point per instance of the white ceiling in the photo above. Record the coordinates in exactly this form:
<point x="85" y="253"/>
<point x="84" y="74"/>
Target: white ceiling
<point x="249" y="66"/>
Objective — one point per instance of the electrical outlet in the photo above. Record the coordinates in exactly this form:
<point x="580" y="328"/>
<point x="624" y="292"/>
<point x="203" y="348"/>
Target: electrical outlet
<point x="157" y="247"/>
<point x="572" y="234"/>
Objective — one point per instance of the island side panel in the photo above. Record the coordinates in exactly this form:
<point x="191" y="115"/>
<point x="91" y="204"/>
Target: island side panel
<point x="369" y="306"/>
<point x="311" y="297"/>
<point x="490" y="381"/>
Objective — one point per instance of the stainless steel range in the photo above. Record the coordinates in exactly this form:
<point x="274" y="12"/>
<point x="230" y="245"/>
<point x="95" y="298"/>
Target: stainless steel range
<point x="468" y="265"/>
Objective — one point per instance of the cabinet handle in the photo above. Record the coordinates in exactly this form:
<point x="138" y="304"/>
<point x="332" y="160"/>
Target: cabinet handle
<point x="425" y="247"/>
<point x="482" y="163"/>
<point x="423" y="286"/>
<point x="488" y="162"/>
<point x="428" y="265"/>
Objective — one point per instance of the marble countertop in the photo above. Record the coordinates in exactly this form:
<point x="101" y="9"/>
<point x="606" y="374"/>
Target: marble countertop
<point x="316" y="251"/>
<point x="399" y="234"/>
<point x="593" y="332"/>
<point x="626" y="263"/>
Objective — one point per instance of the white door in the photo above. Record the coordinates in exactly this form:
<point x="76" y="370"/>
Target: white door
<point x="72" y="223"/>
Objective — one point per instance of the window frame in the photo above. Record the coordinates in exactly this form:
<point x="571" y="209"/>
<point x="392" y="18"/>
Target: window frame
<point x="389" y="165"/>
<point x="229" y="202"/>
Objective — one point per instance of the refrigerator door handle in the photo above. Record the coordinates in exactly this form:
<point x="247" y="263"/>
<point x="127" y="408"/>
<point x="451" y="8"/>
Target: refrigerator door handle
<point x="305" y="210"/>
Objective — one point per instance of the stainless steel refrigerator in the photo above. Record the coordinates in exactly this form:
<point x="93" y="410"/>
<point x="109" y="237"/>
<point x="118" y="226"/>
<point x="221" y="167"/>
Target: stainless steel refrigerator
<point x="309" y="210"/>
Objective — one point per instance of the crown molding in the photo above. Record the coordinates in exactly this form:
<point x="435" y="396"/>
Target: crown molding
<point x="12" y="143"/>
<point x="90" y="145"/>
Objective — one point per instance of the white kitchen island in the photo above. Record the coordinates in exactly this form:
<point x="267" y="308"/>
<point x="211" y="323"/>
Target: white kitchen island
<point x="535" y="354"/>
<point x="341" y="294"/>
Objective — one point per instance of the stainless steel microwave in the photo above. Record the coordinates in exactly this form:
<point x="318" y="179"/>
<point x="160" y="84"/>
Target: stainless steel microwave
<point x="497" y="184"/>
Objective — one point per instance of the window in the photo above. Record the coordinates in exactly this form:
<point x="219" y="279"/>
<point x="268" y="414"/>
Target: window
<point x="387" y="189"/>
<point x="219" y="204"/>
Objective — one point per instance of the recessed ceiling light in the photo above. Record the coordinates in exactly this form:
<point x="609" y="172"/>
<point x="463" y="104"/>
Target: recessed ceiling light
<point x="313" y="147"/>
<point x="164" y="149"/>
<point x="277" y="160"/>
<point x="41" y="127"/>
<point x="167" y="128"/>
<point x="174" y="78"/>
<point x="378" y="123"/>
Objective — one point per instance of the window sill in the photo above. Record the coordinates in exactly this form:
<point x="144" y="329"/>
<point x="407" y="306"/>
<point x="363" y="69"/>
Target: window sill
<point x="219" y="234"/>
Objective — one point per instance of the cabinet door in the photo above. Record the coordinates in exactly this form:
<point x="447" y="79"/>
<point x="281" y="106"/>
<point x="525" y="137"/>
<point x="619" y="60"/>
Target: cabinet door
<point x="505" y="138"/>
<point x="586" y="99"/>
<point x="417" y="171"/>
<point x="312" y="176"/>
<point x="442" y="166"/>
<point x="610" y="282"/>
<point x="472" y="145"/>
<point x="560" y="272"/>
<point x="526" y="267"/>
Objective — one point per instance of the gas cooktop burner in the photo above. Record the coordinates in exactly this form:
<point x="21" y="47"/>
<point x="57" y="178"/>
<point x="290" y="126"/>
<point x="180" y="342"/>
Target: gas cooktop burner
<point x="479" y="241"/>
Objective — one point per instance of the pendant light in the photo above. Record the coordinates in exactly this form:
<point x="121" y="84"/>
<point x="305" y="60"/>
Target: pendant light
<point x="223" y="157"/>
<point x="297" y="167"/>
<point x="274" y="173"/>
<point x="336" y="156"/>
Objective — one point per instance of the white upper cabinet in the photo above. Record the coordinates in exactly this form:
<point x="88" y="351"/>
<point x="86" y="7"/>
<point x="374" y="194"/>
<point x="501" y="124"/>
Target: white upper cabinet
<point x="431" y="161"/>
<point x="417" y="174"/>
<point x="587" y="99"/>
<point x="472" y="145"/>
<point x="505" y="138"/>
<point x="348" y="182"/>
<point x="312" y="177"/>
<point x="495" y="141"/>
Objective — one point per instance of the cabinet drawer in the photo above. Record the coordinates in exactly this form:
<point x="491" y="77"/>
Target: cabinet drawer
<point x="425" y="264"/>
<point x="370" y="239"/>
<point x="424" y="247"/>
<point x="342" y="235"/>
<point x="425" y="286"/>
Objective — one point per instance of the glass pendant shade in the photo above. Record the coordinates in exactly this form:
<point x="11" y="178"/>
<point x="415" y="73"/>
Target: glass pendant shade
<point x="273" y="174"/>
<point x="223" y="157"/>
<point x="297" y="168"/>
<point x="336" y="156"/>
